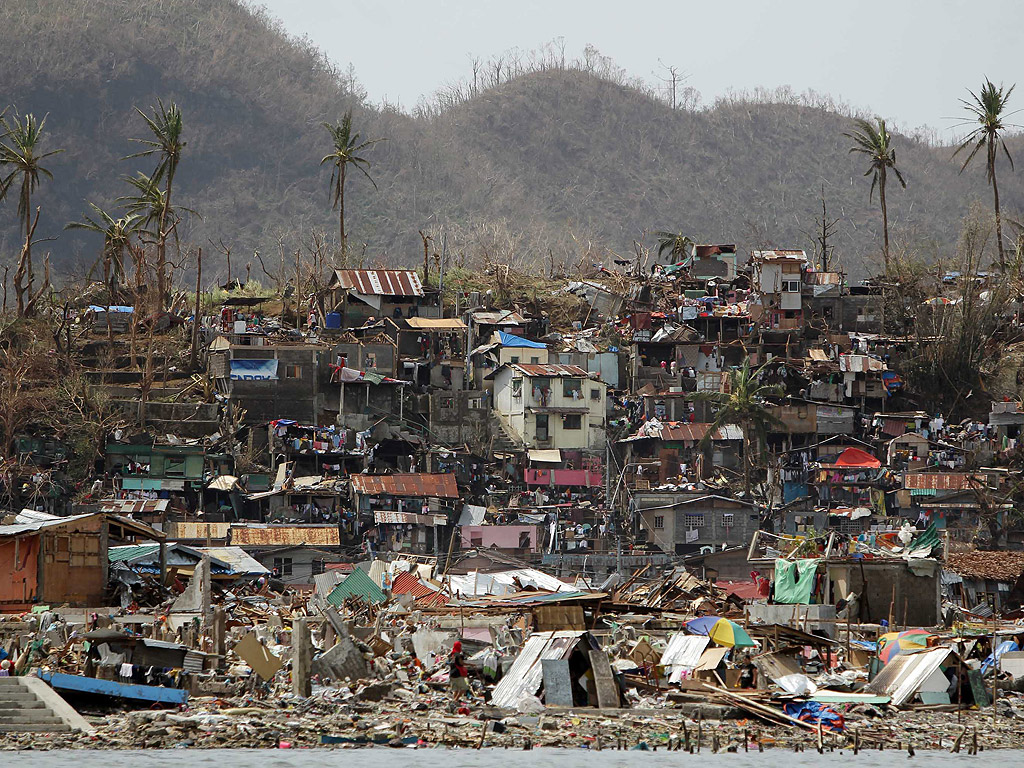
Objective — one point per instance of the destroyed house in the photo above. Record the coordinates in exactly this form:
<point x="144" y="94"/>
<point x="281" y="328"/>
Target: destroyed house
<point x="282" y="381"/>
<point x="977" y="580"/>
<point x="408" y="512"/>
<point x="777" y="280"/>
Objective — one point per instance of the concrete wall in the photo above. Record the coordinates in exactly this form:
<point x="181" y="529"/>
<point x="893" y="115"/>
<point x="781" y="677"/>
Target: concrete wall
<point x="500" y="536"/>
<point x="295" y="398"/>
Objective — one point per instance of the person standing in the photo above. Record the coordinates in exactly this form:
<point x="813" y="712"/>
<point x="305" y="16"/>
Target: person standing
<point x="458" y="674"/>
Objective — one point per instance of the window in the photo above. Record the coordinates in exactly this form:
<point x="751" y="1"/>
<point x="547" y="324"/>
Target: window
<point x="293" y="371"/>
<point x="595" y="394"/>
<point x="728" y="520"/>
<point x="283" y="566"/>
<point x="693" y="520"/>
<point x="319" y="566"/>
<point x="371" y="360"/>
<point x="791" y="286"/>
<point x="515" y="358"/>
<point x="572" y="421"/>
<point x="542" y="427"/>
<point x="517" y="387"/>
<point x="659" y="522"/>
<point x="448" y="403"/>
<point x="174" y="467"/>
<point x="535" y="360"/>
<point x="571" y="387"/>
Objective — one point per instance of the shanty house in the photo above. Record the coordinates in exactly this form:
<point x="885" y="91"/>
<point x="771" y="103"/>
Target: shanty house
<point x="777" y="279"/>
<point x="551" y="406"/>
<point x="990" y="581"/>
<point x="410" y="512"/>
<point x="46" y="559"/>
<point x="359" y="294"/>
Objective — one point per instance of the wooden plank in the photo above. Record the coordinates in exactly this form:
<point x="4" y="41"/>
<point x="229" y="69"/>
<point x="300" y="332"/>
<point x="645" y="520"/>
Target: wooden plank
<point x="557" y="683"/>
<point x="604" y="680"/>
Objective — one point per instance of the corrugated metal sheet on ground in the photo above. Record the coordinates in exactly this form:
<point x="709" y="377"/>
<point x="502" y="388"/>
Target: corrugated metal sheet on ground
<point x="380" y="282"/>
<point x="356" y="584"/>
<point x="284" y="535"/>
<point x="418" y="484"/>
<point x="901" y="678"/>
<point x="324" y="583"/>
<point x="407" y="584"/>
<point x="524" y="676"/>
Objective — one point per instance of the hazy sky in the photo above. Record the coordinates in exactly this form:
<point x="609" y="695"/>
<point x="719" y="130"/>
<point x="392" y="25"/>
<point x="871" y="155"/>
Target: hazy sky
<point x="908" y="61"/>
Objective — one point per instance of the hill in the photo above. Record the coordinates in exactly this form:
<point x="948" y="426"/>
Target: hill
<point x="559" y="165"/>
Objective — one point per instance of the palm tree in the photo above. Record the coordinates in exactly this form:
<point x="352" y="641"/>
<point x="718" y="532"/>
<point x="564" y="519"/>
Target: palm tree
<point x="167" y="127"/>
<point x="346" y="146"/>
<point x="20" y="156"/>
<point x="986" y="109"/>
<point x="117" y="234"/>
<point x="746" y="405"/>
<point x="873" y="140"/>
<point x="673" y="242"/>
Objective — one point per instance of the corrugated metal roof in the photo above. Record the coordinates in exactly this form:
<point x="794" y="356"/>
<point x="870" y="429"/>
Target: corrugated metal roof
<point x="379" y="282"/>
<point x="356" y="584"/>
<point x="284" y="535"/>
<point x="410" y="484"/>
<point x="407" y="584"/>
<point x="122" y="554"/>
<point x="179" y="530"/>
<point x="38" y="525"/>
<point x="236" y="558"/>
<point x="684" y="650"/>
<point x="133" y="506"/>
<point x="944" y="481"/>
<point x="541" y="369"/>
<point x="524" y="676"/>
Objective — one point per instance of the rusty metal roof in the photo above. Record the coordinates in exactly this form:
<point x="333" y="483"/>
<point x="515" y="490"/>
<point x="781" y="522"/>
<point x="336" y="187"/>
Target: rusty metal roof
<point x="407" y="584"/>
<point x="943" y="481"/>
<point x="419" y="484"/>
<point x="133" y="506"/>
<point x="379" y="282"/>
<point x="284" y="535"/>
<point x="997" y="566"/>
<point x="541" y="369"/>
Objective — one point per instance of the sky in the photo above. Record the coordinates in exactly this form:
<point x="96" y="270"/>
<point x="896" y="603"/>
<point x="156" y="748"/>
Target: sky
<point x="907" y="61"/>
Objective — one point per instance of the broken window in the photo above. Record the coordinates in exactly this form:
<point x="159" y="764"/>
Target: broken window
<point x="293" y="371"/>
<point x="283" y="566"/>
<point x="371" y="360"/>
<point x="517" y="387"/>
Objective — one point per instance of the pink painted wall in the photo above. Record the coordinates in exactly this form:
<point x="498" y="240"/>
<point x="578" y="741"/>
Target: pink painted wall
<point x="500" y="536"/>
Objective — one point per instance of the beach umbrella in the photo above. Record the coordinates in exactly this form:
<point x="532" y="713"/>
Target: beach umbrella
<point x="938" y="301"/>
<point x="892" y="644"/>
<point x="722" y="631"/>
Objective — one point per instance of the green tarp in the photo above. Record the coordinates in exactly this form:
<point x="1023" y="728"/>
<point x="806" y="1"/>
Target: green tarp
<point x="794" y="580"/>
<point x="358" y="584"/>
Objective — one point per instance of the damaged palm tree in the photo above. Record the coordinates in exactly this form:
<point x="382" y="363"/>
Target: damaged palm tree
<point x="746" y="404"/>
<point x="21" y="161"/>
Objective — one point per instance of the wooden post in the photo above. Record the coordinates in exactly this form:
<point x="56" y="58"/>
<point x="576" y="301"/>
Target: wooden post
<point x="194" y="362"/>
<point x="219" y="633"/>
<point x="302" y="658"/>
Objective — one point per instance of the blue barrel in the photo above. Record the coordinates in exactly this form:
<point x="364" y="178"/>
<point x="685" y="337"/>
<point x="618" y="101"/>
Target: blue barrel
<point x="333" y="320"/>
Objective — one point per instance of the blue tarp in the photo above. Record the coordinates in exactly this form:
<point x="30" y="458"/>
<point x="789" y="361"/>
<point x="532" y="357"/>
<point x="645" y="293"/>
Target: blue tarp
<point x="511" y="340"/>
<point x="1003" y="647"/>
<point x="113" y="308"/>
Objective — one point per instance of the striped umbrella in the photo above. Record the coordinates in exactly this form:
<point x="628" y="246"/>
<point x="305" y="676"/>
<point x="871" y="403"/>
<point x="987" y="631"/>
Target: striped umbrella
<point x="722" y="631"/>
<point x="892" y="644"/>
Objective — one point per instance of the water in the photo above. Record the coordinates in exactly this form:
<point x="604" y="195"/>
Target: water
<point x="381" y="757"/>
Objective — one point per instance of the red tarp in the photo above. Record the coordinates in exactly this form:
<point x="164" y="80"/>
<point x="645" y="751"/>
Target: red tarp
<point x="855" y="457"/>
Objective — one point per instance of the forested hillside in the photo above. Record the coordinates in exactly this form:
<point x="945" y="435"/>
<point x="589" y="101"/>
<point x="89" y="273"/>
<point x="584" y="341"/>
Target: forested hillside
<point x="556" y="165"/>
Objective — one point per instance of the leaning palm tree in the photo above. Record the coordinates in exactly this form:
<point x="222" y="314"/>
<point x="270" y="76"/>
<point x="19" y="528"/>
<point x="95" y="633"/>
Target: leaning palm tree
<point x="987" y="110"/>
<point x="346" y="146"/>
<point x="20" y="156"/>
<point x="675" y="243"/>
<point x="746" y="404"/>
<point x="117" y="234"/>
<point x="874" y="140"/>
<point x="166" y="143"/>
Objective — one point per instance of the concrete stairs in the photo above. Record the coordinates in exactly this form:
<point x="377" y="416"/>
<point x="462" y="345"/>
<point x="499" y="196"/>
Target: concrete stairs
<point x="503" y="438"/>
<point x="29" y="704"/>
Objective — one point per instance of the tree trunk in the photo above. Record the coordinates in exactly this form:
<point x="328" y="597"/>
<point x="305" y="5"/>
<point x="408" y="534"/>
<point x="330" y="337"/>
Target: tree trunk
<point x="995" y="196"/>
<point x="161" y="256"/>
<point x="885" y="219"/>
<point x="341" y="210"/>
